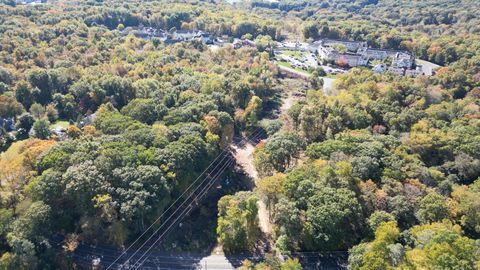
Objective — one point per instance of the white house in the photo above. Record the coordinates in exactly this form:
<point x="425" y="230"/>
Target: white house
<point x="402" y="60"/>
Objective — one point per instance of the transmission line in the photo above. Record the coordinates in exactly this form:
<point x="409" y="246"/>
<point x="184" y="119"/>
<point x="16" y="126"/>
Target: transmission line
<point x="208" y="186"/>
<point x="257" y="130"/>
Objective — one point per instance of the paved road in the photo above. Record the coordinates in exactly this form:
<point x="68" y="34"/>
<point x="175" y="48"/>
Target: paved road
<point x="84" y="254"/>
<point x="427" y="67"/>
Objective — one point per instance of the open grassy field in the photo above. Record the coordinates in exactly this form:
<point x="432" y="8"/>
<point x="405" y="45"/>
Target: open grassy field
<point x="63" y="124"/>
<point x="294" y="53"/>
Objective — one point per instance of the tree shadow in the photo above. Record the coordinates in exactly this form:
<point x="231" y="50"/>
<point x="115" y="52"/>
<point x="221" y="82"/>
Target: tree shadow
<point x="325" y="260"/>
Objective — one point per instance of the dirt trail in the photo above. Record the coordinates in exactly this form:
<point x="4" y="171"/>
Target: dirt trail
<point x="244" y="158"/>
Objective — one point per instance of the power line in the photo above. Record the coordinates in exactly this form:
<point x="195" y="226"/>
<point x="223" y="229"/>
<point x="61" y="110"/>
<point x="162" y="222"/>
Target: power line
<point x="198" y="186"/>
<point x="145" y="255"/>
<point x="164" y="212"/>
<point x="188" y="197"/>
<point x="171" y="215"/>
<point x="186" y="210"/>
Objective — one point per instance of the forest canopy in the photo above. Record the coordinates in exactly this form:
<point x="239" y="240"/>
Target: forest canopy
<point x="102" y="129"/>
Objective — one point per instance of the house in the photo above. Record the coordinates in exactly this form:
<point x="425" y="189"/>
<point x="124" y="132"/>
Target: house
<point x="149" y="33"/>
<point x="88" y="120"/>
<point x="327" y="53"/>
<point x="378" y="68"/>
<point x="144" y="32"/>
<point x="352" y="60"/>
<point x="352" y="46"/>
<point x="186" y="35"/>
<point x="31" y="2"/>
<point x="238" y="43"/>
<point x="59" y="132"/>
<point x="414" y="72"/>
<point x="207" y="38"/>
<point x="348" y="59"/>
<point x="7" y="123"/>
<point x="373" y="54"/>
<point x="402" y="60"/>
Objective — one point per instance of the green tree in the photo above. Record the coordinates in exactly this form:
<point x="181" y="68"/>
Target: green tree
<point x="146" y="88"/>
<point x="282" y="149"/>
<point x="294" y="113"/>
<point x="433" y="207"/>
<point x="42" y="84"/>
<point x="469" y="206"/>
<point x="252" y="111"/>
<point x="334" y="217"/>
<point x="24" y="124"/>
<point x="324" y="149"/>
<point x="120" y="89"/>
<point x="5" y="76"/>
<point x="270" y="189"/>
<point x="311" y="120"/>
<point x="237" y="227"/>
<point x="6" y="216"/>
<point x="51" y="113"/>
<point x="23" y="94"/>
<point x="41" y="129"/>
<point x="442" y="246"/>
<point x="143" y="110"/>
<point x="37" y="110"/>
<point x="378" y="218"/>
<point x="9" y="107"/>
<point x="310" y="31"/>
<point x="377" y="256"/>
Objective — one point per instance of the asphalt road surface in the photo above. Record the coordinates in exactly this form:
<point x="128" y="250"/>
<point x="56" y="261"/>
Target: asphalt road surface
<point x="87" y="254"/>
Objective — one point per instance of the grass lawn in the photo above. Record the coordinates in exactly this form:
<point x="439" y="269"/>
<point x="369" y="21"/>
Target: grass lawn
<point x="287" y="64"/>
<point x="293" y="53"/>
<point x="63" y="124"/>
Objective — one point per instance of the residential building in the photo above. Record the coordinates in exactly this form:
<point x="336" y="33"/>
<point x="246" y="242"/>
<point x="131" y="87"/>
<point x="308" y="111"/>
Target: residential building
<point x="7" y="123"/>
<point x="414" y="72"/>
<point x="373" y="54"/>
<point x="352" y="46"/>
<point x="402" y="60"/>
<point x="238" y="43"/>
<point x="352" y="60"/>
<point x="349" y="59"/>
<point x="378" y="68"/>
<point x="144" y="32"/>
<point x="397" y="70"/>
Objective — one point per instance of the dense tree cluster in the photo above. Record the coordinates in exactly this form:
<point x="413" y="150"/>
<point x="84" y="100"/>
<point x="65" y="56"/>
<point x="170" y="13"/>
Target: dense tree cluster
<point x="385" y="167"/>
<point x="237" y="228"/>
<point x="143" y="120"/>
<point x="387" y="158"/>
